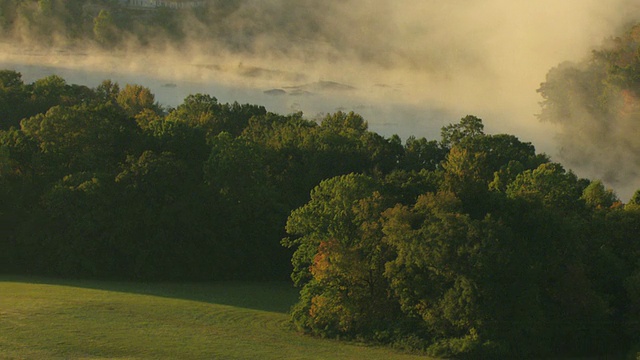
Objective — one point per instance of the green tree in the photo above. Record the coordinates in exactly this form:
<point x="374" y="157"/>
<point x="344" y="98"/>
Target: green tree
<point x="75" y="226"/>
<point x="550" y="184"/>
<point x="595" y="195"/>
<point x="169" y="22"/>
<point x="108" y="91"/>
<point x="134" y="99"/>
<point x="339" y="260"/>
<point x="45" y="7"/>
<point x="431" y="275"/>
<point x="328" y="215"/>
<point x="476" y="163"/>
<point x="13" y="99"/>
<point x="303" y="153"/>
<point x="10" y="79"/>
<point x="612" y="258"/>
<point x="205" y="112"/>
<point x="468" y="127"/>
<point x="184" y="141"/>
<point x="171" y="234"/>
<point x="552" y="215"/>
<point x="19" y="191"/>
<point x="105" y="31"/>
<point x="237" y="172"/>
<point x="47" y="92"/>
<point x="81" y="138"/>
<point x="635" y="199"/>
<point x="345" y="123"/>
<point x="464" y="171"/>
<point x="422" y="154"/>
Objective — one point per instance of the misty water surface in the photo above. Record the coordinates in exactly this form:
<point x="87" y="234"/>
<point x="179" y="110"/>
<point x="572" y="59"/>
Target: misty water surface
<point x="313" y="98"/>
<point x="407" y="67"/>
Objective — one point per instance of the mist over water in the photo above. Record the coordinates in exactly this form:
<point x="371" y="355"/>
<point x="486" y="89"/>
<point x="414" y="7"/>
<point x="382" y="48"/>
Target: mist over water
<point x="408" y="67"/>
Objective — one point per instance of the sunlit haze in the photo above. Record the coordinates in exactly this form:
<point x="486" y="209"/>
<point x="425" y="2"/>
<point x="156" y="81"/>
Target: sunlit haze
<point x="408" y="67"/>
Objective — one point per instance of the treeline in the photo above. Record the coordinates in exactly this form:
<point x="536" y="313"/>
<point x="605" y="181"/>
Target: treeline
<point x="491" y="252"/>
<point x="45" y="21"/>
<point x="102" y="22"/>
<point x="105" y="183"/>
<point x="471" y="245"/>
<point x="114" y="25"/>
<point x="287" y="29"/>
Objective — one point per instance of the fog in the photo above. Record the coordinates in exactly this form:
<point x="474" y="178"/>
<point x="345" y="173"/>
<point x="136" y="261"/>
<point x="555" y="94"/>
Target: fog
<point x="408" y="67"/>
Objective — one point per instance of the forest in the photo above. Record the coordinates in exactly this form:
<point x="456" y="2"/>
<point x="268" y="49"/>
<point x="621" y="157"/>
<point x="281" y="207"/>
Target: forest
<point x="472" y="245"/>
<point x="234" y="25"/>
<point x="104" y="23"/>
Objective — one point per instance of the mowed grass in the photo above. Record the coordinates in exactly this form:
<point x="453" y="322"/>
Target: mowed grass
<point x="98" y="320"/>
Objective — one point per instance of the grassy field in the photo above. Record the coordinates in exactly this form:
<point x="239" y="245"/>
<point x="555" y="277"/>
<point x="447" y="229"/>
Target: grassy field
<point x="97" y="320"/>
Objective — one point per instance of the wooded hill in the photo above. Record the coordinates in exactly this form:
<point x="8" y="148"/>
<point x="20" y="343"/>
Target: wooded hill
<point x="470" y="245"/>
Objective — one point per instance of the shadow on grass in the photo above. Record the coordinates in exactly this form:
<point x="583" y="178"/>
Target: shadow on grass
<point x="265" y="296"/>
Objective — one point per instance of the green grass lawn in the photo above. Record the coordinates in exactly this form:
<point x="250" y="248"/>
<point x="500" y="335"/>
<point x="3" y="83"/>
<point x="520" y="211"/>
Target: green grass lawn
<point x="99" y="320"/>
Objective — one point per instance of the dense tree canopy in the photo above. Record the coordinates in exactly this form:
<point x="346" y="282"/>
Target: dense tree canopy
<point x="201" y="191"/>
<point x="471" y="245"/>
<point x="502" y="253"/>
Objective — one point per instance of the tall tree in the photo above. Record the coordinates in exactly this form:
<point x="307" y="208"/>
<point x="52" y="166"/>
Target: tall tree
<point x="13" y="99"/>
<point x="596" y="195"/>
<point x="81" y="138"/>
<point x="136" y="98"/>
<point x="105" y="31"/>
<point x="339" y="260"/>
<point x="468" y="127"/>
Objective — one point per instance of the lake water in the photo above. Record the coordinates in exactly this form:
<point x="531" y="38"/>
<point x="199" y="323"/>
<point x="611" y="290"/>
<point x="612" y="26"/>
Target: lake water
<point x="403" y="108"/>
<point x="314" y="98"/>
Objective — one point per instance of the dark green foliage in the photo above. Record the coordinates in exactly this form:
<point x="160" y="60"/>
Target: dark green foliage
<point x="635" y="199"/>
<point x="12" y="98"/>
<point x="339" y="260"/>
<point x="596" y="195"/>
<point x="494" y="252"/>
<point x="81" y="138"/>
<point x="105" y="31"/>
<point x="422" y="154"/>
<point x="162" y="218"/>
<point x="47" y="21"/>
<point x="472" y="246"/>
<point x="108" y="185"/>
<point x="469" y="127"/>
<point x="134" y="99"/>
<point x="19" y="100"/>
<point x="204" y="111"/>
